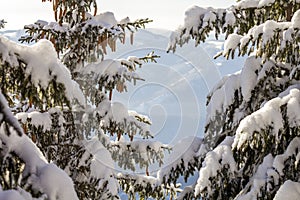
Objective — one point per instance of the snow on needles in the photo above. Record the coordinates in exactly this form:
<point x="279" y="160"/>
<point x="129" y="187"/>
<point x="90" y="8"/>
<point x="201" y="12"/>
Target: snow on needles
<point x="214" y="161"/>
<point x="117" y="113"/>
<point x="102" y="165"/>
<point x="267" y="31"/>
<point x="42" y="174"/>
<point x="112" y="72"/>
<point x="42" y="65"/>
<point x="270" y="114"/>
<point x="280" y="159"/>
<point x="36" y="119"/>
<point x="244" y="4"/>
<point x="232" y="42"/>
<point x="258" y="180"/>
<point x="192" y="16"/>
<point x="222" y="96"/>
<point x="106" y="19"/>
<point x="223" y="93"/>
<point x="184" y="151"/>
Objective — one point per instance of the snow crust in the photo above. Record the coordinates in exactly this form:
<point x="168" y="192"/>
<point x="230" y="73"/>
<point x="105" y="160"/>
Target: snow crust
<point x="263" y="3"/>
<point x="106" y="19"/>
<point x="249" y="76"/>
<point x="247" y="4"/>
<point x="192" y="17"/>
<point x="229" y="19"/>
<point x="11" y="195"/>
<point x="54" y="182"/>
<point x="290" y="190"/>
<point x="268" y="30"/>
<point x="119" y="112"/>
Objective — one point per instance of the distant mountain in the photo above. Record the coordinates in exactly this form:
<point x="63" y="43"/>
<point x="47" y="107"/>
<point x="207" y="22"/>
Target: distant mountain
<point x="174" y="93"/>
<point x="175" y="88"/>
<point x="13" y="35"/>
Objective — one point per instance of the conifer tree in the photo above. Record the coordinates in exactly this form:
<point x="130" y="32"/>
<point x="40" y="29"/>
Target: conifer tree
<point x="60" y="89"/>
<point x="251" y="143"/>
<point x="25" y="172"/>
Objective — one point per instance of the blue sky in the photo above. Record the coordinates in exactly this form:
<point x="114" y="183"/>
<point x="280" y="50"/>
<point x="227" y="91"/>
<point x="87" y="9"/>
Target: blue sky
<point x="167" y="14"/>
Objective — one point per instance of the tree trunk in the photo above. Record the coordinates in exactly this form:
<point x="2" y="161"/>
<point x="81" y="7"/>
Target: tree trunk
<point x="289" y="12"/>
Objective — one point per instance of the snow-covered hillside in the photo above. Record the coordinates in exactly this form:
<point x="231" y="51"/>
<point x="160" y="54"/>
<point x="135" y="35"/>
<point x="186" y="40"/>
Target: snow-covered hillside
<point x="174" y="91"/>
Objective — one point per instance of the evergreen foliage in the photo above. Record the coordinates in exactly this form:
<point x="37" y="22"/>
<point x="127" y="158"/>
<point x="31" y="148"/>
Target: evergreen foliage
<point x="60" y="90"/>
<point x="251" y="135"/>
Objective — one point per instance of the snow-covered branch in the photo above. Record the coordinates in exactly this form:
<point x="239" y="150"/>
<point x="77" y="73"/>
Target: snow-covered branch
<point x="233" y="97"/>
<point x="146" y="187"/>
<point x="237" y="19"/>
<point x="266" y="39"/>
<point x="95" y="34"/>
<point x="218" y="171"/>
<point x="39" y="172"/>
<point x="107" y="75"/>
<point x="115" y="119"/>
<point x="37" y="68"/>
<point x="252" y="125"/>
<point x="183" y="161"/>
<point x="272" y="112"/>
<point x="129" y="154"/>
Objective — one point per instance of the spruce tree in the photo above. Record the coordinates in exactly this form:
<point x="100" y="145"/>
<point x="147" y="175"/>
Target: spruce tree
<point x="25" y="172"/>
<point x="251" y="143"/>
<point x="60" y="89"/>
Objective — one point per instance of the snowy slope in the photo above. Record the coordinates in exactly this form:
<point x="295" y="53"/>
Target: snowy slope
<point x="13" y="35"/>
<point x="174" y="91"/>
